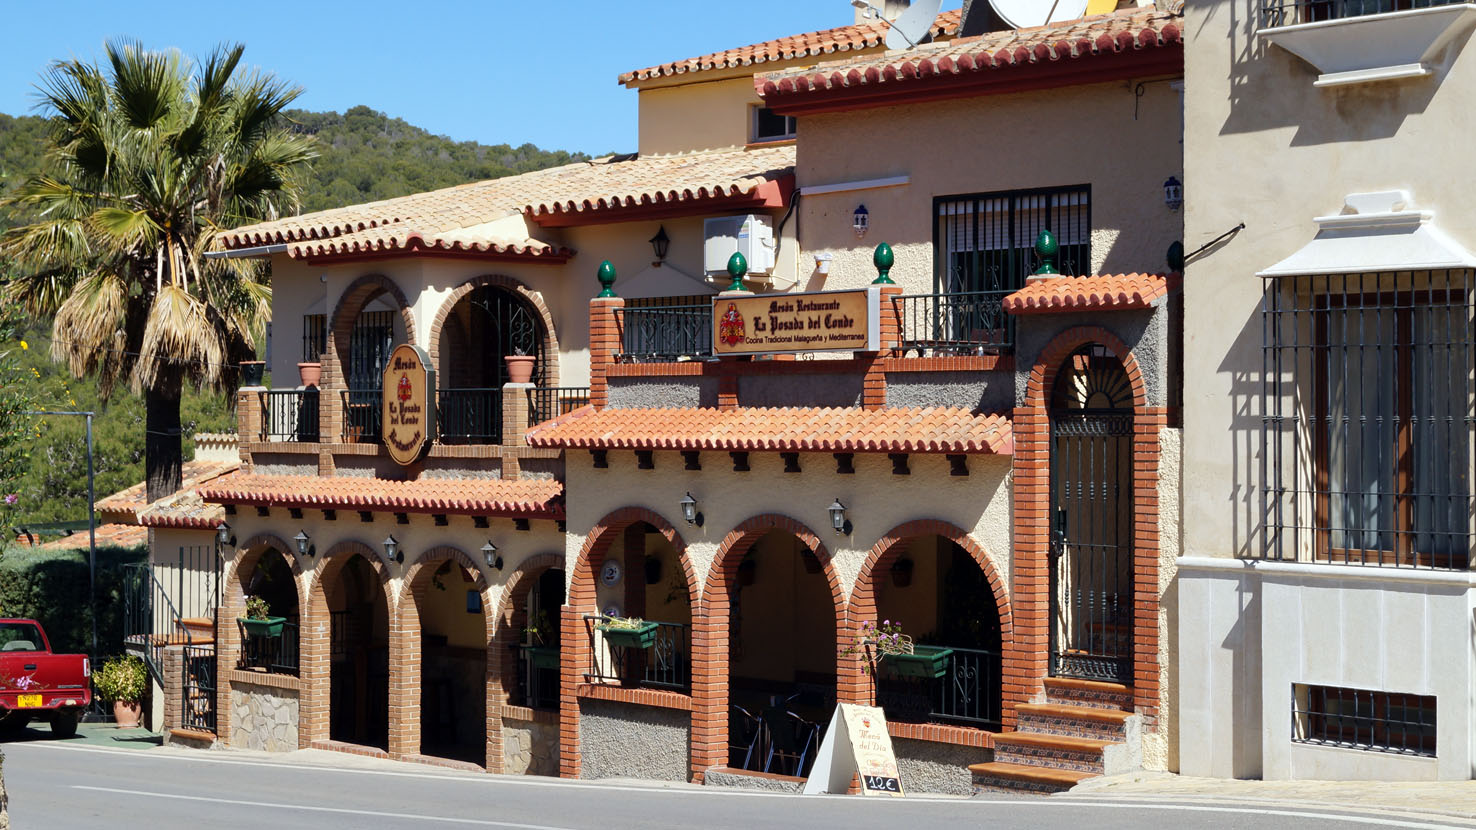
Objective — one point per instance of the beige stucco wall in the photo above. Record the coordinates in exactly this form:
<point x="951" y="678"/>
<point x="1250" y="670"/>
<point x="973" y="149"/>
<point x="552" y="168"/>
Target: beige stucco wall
<point x="705" y="115"/>
<point x="1077" y="135"/>
<point x="877" y="500"/>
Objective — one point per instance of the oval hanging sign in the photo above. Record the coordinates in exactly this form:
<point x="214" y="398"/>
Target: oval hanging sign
<point x="408" y="404"/>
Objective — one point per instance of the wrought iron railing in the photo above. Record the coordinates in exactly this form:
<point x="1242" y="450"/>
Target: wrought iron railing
<point x="469" y="416"/>
<point x="966" y="322"/>
<point x="1364" y="719"/>
<point x="361" y="415"/>
<point x="968" y="692"/>
<point x="277" y="655"/>
<point x="1289" y="12"/>
<point x="548" y="402"/>
<point x="666" y="332"/>
<point x="199" y="688"/>
<point x="289" y="415"/>
<point x="538" y="682"/>
<point x="314" y="337"/>
<point x="665" y="664"/>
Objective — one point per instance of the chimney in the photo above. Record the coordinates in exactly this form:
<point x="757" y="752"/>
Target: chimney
<point x="889" y="9"/>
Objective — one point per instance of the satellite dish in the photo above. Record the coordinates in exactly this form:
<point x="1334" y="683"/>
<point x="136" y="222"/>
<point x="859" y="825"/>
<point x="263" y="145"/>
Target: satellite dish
<point x="915" y="25"/>
<point x="1023" y="14"/>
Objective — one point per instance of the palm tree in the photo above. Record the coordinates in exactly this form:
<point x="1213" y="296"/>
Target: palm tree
<point x="150" y="157"/>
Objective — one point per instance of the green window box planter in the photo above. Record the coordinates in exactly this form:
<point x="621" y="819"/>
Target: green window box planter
<point x="269" y="627"/>
<point x="543" y="657"/>
<point x="924" y="661"/>
<point x="642" y="638"/>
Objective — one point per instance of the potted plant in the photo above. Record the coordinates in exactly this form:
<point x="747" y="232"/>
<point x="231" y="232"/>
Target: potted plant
<point x="540" y="633"/>
<point x="628" y="632"/>
<point x="123" y="680"/>
<point x="885" y="643"/>
<point x="310" y="373"/>
<point x="520" y="367"/>
<point x="259" y="621"/>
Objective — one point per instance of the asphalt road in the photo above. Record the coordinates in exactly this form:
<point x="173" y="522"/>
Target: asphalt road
<point x="65" y="785"/>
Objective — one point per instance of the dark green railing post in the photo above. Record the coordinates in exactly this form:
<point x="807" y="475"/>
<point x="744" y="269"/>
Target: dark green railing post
<point x="606" y="276"/>
<point x="1046" y="247"/>
<point x="883" y="259"/>
<point x="737" y="268"/>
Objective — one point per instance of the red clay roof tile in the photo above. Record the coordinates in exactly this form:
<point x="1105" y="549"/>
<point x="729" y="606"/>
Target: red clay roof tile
<point x="542" y="498"/>
<point x="932" y="430"/>
<point x="1107" y="292"/>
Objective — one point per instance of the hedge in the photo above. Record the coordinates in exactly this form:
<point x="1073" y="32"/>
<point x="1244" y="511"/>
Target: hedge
<point x="51" y="586"/>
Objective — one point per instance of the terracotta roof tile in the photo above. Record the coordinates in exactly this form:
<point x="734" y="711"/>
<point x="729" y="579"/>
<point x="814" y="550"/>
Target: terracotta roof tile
<point x="542" y="498"/>
<point x="869" y="35"/>
<point x="108" y="535"/>
<point x="932" y="430"/>
<point x="495" y="217"/>
<point x="1103" y="292"/>
<point x="128" y="506"/>
<point x="1087" y="37"/>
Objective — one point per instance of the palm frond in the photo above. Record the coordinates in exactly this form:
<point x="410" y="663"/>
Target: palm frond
<point x="89" y="332"/>
<point x="179" y="336"/>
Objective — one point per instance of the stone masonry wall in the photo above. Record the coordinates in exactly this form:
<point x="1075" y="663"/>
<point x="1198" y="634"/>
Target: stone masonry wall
<point x="529" y="747"/>
<point x="263" y="718"/>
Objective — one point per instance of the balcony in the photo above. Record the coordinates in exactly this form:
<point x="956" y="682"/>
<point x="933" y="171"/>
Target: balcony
<point x="960" y="323"/>
<point x="666" y="333"/>
<point x="1359" y="41"/>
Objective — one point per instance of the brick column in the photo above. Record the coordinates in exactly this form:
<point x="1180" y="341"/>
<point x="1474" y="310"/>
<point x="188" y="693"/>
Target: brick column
<point x="891" y="318"/>
<point x="575" y="653"/>
<point x="605" y="341"/>
<point x="173" y="681"/>
<point x="515" y="413"/>
<point x="248" y="418"/>
<point x="1027" y="652"/>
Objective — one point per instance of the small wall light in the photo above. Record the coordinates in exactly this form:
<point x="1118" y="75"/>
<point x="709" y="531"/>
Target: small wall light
<point x="861" y="220"/>
<point x="489" y="553"/>
<point x="304" y="544"/>
<point x="660" y="244"/>
<point x="223" y="535"/>
<point x="822" y="263"/>
<point x="1173" y="193"/>
<point x="689" y="510"/>
<point x="838" y="518"/>
<point x="392" y="549"/>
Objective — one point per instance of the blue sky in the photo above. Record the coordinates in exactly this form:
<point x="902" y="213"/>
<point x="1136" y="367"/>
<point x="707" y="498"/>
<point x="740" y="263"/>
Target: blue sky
<point x="540" y="71"/>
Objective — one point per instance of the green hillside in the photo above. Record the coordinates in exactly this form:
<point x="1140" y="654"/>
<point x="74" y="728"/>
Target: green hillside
<point x="364" y="156"/>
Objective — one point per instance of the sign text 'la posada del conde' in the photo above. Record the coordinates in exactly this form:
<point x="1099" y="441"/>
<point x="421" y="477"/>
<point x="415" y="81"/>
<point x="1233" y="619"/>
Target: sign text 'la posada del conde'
<point x="408" y="414"/>
<point x="823" y="321"/>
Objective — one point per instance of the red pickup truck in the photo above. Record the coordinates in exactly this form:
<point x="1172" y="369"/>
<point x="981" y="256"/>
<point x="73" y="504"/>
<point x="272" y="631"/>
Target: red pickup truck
<point x="36" y="684"/>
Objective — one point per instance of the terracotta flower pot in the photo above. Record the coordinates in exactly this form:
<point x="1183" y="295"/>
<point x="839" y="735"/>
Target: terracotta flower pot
<point x="127" y="713"/>
<point x="310" y="373"/>
<point x="520" y="368"/>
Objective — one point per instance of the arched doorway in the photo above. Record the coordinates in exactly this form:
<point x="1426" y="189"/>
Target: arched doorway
<point x="452" y="694"/>
<point x="486" y="326"/>
<point x="539" y="645"/>
<point x="271" y="578"/>
<point x="1091" y="613"/>
<point x="358" y="699"/>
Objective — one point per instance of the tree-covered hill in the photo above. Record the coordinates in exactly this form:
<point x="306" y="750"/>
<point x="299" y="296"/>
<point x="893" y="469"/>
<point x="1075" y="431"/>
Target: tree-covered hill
<point x="364" y="156"/>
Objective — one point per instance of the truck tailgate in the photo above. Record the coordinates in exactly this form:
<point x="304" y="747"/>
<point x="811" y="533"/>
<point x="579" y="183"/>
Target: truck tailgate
<point x="58" y="679"/>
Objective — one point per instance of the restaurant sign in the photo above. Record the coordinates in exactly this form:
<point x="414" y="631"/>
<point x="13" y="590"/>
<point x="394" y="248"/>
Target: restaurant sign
<point x="408" y="415"/>
<point x="823" y="321"/>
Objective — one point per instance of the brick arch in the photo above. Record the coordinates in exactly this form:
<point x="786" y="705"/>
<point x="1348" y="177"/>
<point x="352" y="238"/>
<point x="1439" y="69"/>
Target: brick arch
<point x="233" y="605"/>
<point x="710" y="635"/>
<point x="891" y="545"/>
<point x="359" y="293"/>
<point x="404" y="693"/>
<point x="579" y="599"/>
<point x="1026" y="655"/>
<point x="511" y="617"/>
<point x="314" y="665"/>
<point x="533" y="298"/>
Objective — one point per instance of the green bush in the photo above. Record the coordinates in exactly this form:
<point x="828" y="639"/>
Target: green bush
<point x="51" y="587"/>
<point x="122" y="678"/>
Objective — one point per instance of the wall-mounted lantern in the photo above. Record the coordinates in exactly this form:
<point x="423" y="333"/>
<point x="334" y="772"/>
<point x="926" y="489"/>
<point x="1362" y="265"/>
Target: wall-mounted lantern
<point x="1173" y="193"/>
<point x="838" y="518"/>
<point x="660" y="244"/>
<point x="489" y="553"/>
<point x="689" y="510"/>
<point x="392" y="549"/>
<point x="304" y="543"/>
<point x="861" y="220"/>
<point x="223" y="535"/>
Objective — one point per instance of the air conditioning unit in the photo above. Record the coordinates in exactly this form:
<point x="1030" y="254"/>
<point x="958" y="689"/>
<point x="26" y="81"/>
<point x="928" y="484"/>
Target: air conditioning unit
<point x="751" y="235"/>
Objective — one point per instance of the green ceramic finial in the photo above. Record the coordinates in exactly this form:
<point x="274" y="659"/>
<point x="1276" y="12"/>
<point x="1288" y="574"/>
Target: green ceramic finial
<point x="1176" y="257"/>
<point x="737" y="267"/>
<point x="1046" y="248"/>
<point x="883" y="259"/>
<point x="606" y="276"/>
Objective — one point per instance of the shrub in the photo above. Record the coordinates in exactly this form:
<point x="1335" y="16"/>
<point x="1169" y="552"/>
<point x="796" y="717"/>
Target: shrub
<point x="122" y="678"/>
<point x="50" y="586"/>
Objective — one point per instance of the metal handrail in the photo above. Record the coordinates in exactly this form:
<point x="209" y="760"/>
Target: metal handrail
<point x="968" y="693"/>
<point x="666" y="664"/>
<point x="470" y="416"/>
<point x="361" y="415"/>
<point x="960" y="322"/>
<point x="1290" y="12"/>
<point x="276" y="655"/>
<point x="549" y="402"/>
<point x="289" y="415"/>
<point x="666" y="332"/>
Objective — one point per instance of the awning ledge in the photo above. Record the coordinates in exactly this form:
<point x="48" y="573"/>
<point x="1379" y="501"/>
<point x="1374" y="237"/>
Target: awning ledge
<point x="1376" y="232"/>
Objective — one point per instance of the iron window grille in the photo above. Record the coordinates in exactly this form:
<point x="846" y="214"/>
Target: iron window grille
<point x="1290" y="12"/>
<point x="1363" y="719"/>
<point x="314" y="337"/>
<point x="986" y="241"/>
<point x="1367" y="418"/>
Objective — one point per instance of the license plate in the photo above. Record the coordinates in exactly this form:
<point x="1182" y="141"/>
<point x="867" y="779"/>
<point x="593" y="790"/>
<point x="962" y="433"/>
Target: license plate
<point x="28" y="701"/>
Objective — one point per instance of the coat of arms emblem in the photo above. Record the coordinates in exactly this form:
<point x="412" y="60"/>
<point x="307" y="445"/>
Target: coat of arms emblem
<point x="730" y="327"/>
<point x="403" y="388"/>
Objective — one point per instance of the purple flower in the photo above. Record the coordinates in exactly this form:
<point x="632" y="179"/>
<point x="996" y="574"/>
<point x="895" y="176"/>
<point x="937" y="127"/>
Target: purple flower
<point x="11" y="499"/>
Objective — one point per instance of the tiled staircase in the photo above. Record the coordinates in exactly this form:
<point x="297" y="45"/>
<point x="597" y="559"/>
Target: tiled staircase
<point x="1083" y="729"/>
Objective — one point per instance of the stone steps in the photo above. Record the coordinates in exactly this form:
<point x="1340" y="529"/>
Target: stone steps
<point x="1001" y="776"/>
<point x="1085" y="728"/>
<point x="1073" y="721"/>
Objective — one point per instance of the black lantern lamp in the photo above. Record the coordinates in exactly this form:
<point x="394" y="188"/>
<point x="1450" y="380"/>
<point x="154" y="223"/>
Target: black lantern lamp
<point x="660" y="244"/>
<point x="304" y="543"/>
<point x="489" y="553"/>
<point x="689" y="510"/>
<point x="838" y="518"/>
<point x="392" y="549"/>
<point x="223" y="535"/>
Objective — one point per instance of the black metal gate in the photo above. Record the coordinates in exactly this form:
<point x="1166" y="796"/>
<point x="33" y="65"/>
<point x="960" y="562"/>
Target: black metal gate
<point x="199" y="688"/>
<point x="1091" y="540"/>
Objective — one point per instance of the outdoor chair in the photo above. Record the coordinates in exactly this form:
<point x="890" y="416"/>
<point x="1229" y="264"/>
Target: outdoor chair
<point x="789" y="738"/>
<point x="745" y="732"/>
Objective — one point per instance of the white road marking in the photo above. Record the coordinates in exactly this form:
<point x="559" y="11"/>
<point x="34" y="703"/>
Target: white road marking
<point x="316" y="809"/>
<point x="1193" y="808"/>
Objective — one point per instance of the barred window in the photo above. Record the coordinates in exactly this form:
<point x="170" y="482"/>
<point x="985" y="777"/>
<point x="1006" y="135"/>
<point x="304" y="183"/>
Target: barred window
<point x="314" y="337"/>
<point x="1367" y="413"/>
<point x="1363" y="719"/>
<point x="986" y="241"/>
